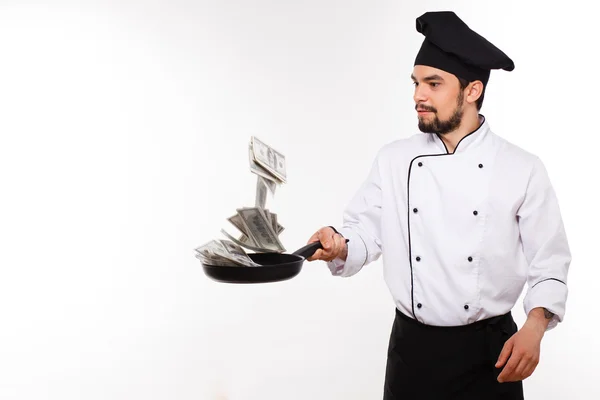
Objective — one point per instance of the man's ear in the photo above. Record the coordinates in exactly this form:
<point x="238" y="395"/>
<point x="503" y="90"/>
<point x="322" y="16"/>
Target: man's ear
<point x="474" y="91"/>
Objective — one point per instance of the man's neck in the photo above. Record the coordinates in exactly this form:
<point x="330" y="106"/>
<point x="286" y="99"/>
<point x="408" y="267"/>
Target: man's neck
<point x="469" y="124"/>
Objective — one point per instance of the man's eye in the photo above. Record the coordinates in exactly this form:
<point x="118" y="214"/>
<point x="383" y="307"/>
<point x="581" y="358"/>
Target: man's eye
<point x="434" y="84"/>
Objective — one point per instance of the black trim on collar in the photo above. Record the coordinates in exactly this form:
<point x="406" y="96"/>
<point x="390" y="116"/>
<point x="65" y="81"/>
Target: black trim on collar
<point x="468" y="134"/>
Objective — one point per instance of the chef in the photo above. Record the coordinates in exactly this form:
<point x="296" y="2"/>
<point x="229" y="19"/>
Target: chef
<point x="463" y="220"/>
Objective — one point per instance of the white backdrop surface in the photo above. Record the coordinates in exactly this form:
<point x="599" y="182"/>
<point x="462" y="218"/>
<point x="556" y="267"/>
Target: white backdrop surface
<point x="124" y="145"/>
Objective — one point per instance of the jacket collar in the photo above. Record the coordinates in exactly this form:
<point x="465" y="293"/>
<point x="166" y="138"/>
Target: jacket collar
<point x="471" y="140"/>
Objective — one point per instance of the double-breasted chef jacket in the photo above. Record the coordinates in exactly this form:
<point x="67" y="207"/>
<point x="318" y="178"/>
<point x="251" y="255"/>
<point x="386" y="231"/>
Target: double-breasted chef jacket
<point x="462" y="233"/>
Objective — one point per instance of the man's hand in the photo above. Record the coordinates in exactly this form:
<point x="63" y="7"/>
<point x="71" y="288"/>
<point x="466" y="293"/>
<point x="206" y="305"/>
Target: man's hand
<point x="523" y="348"/>
<point x="334" y="245"/>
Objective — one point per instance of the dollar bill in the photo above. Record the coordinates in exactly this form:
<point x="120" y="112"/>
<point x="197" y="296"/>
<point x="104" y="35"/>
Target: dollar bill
<point x="260" y="229"/>
<point x="258" y="169"/>
<point x="246" y="244"/>
<point x="269" y="159"/>
<point x="223" y="251"/>
<point x="219" y="262"/>
<point x="273" y="221"/>
<point x="246" y="240"/>
<point x="210" y="253"/>
<point x="205" y="251"/>
<point x="272" y="185"/>
<point x="261" y="192"/>
<point x="236" y="251"/>
<point x="236" y="220"/>
<point x="276" y="225"/>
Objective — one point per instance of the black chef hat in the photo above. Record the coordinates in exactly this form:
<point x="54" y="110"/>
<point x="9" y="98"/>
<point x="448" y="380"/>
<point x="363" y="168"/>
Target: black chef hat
<point x="450" y="45"/>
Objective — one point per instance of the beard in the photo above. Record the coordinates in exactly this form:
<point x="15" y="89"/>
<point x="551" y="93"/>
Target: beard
<point x="437" y="126"/>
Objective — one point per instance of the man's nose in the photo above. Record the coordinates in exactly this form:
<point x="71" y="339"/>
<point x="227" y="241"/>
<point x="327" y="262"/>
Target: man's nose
<point x="419" y="95"/>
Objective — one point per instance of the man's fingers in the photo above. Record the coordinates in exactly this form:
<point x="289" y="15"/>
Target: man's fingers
<point x="529" y="365"/>
<point x="507" y="373"/>
<point x="313" y="238"/>
<point x="330" y="243"/>
<point x="519" y="373"/>
<point x="327" y="244"/>
<point x="506" y="350"/>
<point x="318" y="255"/>
<point x="340" y="242"/>
<point x="315" y="255"/>
<point x="529" y="369"/>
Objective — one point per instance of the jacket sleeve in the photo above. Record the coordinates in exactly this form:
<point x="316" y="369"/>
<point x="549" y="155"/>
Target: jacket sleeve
<point x="545" y="246"/>
<point x="361" y="225"/>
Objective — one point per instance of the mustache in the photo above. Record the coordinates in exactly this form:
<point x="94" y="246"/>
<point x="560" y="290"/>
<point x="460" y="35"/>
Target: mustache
<point x="424" y="108"/>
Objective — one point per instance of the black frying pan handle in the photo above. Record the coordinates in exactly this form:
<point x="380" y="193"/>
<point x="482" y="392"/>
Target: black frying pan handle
<point x="310" y="249"/>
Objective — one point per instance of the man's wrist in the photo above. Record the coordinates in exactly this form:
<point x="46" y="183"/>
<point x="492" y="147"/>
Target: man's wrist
<point x="539" y="318"/>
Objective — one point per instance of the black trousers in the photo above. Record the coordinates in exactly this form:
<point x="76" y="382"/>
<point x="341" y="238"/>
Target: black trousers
<point x="448" y="363"/>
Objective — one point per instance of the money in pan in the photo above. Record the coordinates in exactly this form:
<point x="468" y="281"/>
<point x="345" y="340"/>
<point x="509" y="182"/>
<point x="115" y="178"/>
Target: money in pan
<point x="274" y="267"/>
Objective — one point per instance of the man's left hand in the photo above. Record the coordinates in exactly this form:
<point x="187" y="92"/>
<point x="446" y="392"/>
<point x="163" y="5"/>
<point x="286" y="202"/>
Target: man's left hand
<point x="523" y="348"/>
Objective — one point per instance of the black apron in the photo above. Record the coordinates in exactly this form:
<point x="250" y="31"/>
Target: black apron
<point x="448" y="363"/>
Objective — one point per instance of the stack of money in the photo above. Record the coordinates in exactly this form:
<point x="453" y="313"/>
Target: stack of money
<point x="269" y="167"/>
<point x="258" y="227"/>
<point x="223" y="253"/>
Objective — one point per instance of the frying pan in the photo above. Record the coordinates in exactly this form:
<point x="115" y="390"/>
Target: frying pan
<point x="273" y="267"/>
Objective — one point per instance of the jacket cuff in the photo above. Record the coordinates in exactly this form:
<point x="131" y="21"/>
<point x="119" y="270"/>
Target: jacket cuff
<point x="357" y="255"/>
<point x="550" y="294"/>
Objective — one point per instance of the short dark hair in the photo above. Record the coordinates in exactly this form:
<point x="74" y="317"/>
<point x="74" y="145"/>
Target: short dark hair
<point x="464" y="83"/>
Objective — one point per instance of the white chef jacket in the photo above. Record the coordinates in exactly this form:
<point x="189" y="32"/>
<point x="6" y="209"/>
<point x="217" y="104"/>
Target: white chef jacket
<point x="461" y="233"/>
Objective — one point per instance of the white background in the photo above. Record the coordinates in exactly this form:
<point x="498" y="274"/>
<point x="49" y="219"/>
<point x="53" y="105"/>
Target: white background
<point x="124" y="132"/>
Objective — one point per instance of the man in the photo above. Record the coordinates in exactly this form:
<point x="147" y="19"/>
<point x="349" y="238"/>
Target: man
<point x="463" y="219"/>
